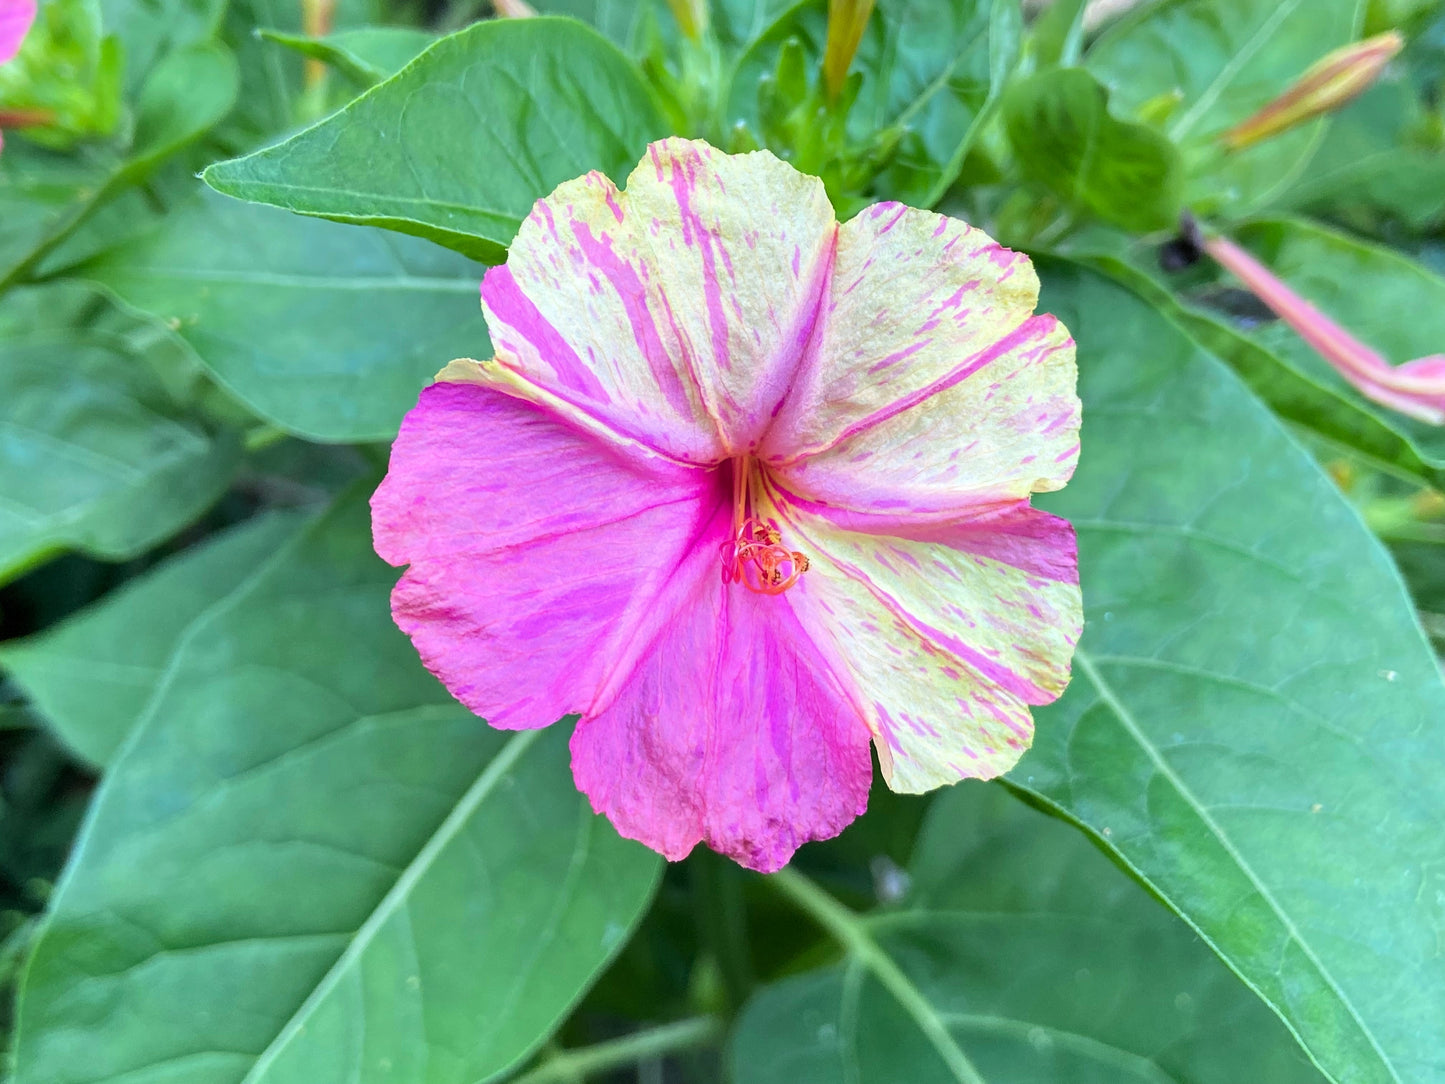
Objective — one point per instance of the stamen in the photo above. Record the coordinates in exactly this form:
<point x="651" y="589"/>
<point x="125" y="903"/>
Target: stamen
<point x="757" y="559"/>
<point x="755" y="556"/>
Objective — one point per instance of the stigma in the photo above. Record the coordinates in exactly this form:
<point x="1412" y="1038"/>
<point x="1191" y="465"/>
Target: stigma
<point x="757" y="559"/>
<point x="755" y="555"/>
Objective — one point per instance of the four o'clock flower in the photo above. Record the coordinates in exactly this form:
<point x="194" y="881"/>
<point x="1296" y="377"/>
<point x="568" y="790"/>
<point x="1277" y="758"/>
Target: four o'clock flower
<point x="16" y="17"/>
<point x="1415" y="388"/>
<point x="744" y="489"/>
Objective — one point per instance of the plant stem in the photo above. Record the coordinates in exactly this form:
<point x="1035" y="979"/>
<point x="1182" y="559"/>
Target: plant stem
<point x="575" y="1065"/>
<point x="849" y="930"/>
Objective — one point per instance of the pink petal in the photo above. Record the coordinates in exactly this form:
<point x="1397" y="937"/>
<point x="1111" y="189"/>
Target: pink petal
<point x="945" y="633"/>
<point x="16" y="17"/>
<point x="732" y="731"/>
<point x="537" y="553"/>
<point x="931" y="386"/>
<point x="674" y="312"/>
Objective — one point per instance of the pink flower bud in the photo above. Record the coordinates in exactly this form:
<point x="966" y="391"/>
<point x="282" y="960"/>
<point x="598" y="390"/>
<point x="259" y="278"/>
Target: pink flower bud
<point x="1416" y="388"/>
<point x="1330" y="83"/>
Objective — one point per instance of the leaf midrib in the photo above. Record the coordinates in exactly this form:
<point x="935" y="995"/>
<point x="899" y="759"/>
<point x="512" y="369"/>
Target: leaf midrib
<point x="1126" y="719"/>
<point x="399" y="892"/>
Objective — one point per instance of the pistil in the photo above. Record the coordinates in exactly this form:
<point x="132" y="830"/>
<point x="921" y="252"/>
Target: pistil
<point x="755" y="556"/>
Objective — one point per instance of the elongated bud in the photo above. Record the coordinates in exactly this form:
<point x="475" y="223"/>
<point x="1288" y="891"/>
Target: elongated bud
<point x="691" y="15"/>
<point x="514" y="9"/>
<point x="847" y="19"/>
<point x="1333" y="81"/>
<point x="316" y="19"/>
<point x="1416" y="388"/>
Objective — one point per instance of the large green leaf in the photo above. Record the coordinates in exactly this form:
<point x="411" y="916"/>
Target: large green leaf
<point x="326" y="330"/>
<point x="93" y="675"/>
<point x="1255" y="721"/>
<point x="93" y="454"/>
<point x="309" y="864"/>
<point x="1035" y="959"/>
<point x="1226" y="59"/>
<point x="458" y="146"/>
<point x="1065" y="138"/>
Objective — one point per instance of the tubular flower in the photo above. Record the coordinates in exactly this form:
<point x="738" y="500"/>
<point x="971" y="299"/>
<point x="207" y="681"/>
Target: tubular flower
<point x="745" y="489"/>
<point x="16" y="17"/>
<point x="1416" y="388"/>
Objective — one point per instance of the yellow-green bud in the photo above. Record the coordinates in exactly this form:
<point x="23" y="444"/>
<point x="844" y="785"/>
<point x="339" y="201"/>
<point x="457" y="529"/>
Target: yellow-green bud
<point x="1331" y="82"/>
<point x="847" y="19"/>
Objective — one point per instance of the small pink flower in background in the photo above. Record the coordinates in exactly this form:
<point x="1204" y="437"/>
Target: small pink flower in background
<point x="1416" y="388"/>
<point x="16" y="17"/>
<point x="745" y="489"/>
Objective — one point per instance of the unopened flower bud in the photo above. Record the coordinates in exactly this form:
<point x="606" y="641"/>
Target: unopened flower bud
<point x="1416" y="388"/>
<point x="1329" y="84"/>
<point x="691" y="15"/>
<point x="847" y="19"/>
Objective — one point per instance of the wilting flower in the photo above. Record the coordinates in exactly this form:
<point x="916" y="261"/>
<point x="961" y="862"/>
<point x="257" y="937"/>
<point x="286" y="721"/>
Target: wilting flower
<point x="16" y="17"/>
<point x="744" y="489"/>
<point x="1416" y="388"/>
<point x="1331" y="82"/>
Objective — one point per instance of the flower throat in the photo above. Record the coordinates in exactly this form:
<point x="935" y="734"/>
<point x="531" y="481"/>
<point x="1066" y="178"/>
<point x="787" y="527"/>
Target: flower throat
<point x="755" y="556"/>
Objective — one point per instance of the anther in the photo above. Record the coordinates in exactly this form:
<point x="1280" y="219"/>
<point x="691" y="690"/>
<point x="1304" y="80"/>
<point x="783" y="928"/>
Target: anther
<point x="756" y="558"/>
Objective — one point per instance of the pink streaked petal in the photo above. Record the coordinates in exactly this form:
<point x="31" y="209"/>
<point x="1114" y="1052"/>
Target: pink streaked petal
<point x="16" y="17"/>
<point x="675" y="311"/>
<point x="945" y="636"/>
<point x="914" y="297"/>
<point x="732" y="731"/>
<point x="1007" y="426"/>
<point x="535" y="550"/>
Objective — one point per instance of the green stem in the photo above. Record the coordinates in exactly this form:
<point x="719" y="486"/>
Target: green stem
<point x="575" y="1065"/>
<point x="849" y="930"/>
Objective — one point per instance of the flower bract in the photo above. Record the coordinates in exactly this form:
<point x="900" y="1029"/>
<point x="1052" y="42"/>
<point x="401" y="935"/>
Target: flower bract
<point x="746" y="490"/>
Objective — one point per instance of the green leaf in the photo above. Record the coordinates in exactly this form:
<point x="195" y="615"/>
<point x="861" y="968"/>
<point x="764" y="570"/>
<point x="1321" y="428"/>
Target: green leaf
<point x="931" y="70"/>
<point x="188" y="93"/>
<point x="324" y="330"/>
<point x="1296" y="384"/>
<point x="1368" y="166"/>
<point x="1065" y="138"/>
<point x="1255" y="719"/>
<point x="1056" y="36"/>
<point x="365" y="55"/>
<point x="93" y="455"/>
<point x="150" y="29"/>
<point x="309" y="864"/>
<point x="458" y="146"/>
<point x="1227" y="58"/>
<point x="93" y="674"/>
<point x="1032" y="955"/>
<point x="45" y="197"/>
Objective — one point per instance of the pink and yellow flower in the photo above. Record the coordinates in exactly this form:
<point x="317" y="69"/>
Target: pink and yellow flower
<point x="744" y="489"/>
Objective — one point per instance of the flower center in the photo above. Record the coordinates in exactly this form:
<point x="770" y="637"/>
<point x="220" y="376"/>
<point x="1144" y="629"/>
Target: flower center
<point x="755" y="556"/>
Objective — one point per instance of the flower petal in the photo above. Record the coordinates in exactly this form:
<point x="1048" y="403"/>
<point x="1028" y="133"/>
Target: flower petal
<point x="946" y="634"/>
<point x="536" y="552"/>
<point x="731" y="731"/>
<point x="15" y="19"/>
<point x="933" y="388"/>
<point x="674" y="312"/>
